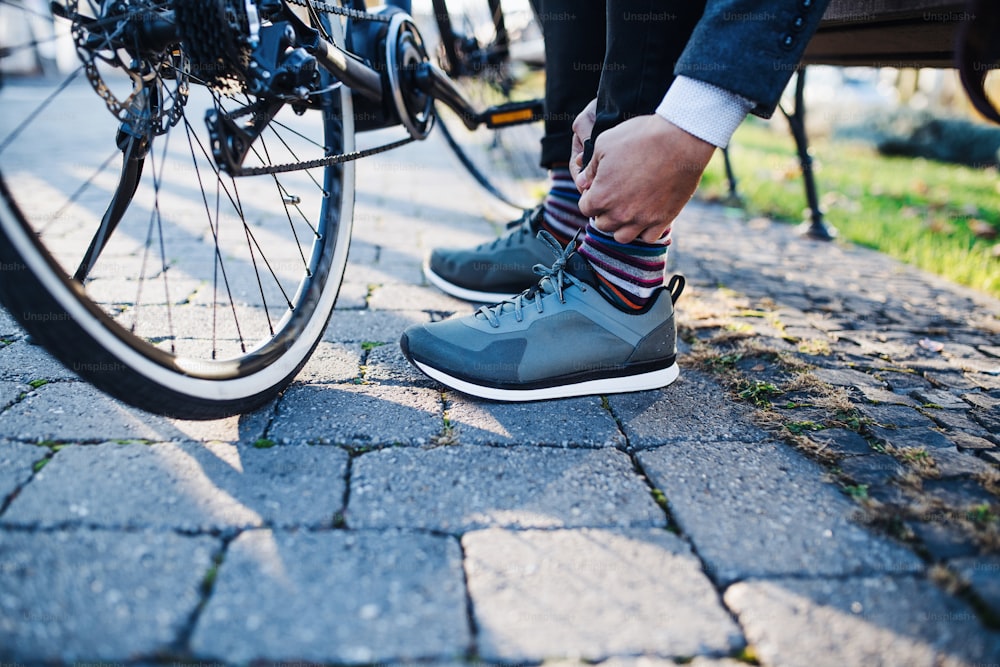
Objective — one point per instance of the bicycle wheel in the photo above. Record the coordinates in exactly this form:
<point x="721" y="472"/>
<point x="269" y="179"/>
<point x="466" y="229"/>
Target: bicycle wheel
<point x="210" y="291"/>
<point x="475" y="47"/>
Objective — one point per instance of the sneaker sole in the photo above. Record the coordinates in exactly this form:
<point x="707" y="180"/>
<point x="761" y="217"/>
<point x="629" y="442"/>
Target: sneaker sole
<point x="619" y="385"/>
<point x="461" y="292"/>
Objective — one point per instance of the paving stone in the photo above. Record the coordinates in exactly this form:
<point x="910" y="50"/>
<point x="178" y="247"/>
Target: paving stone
<point x="954" y="381"/>
<point x="693" y="404"/>
<point x="246" y="428"/>
<point x="363" y="326"/>
<point x="16" y="462"/>
<point x="576" y="422"/>
<point x="941" y="398"/>
<point x="977" y="365"/>
<point x="591" y="594"/>
<point x="841" y="441"/>
<point x="75" y="411"/>
<point x="10" y="392"/>
<point x="983" y="577"/>
<point x="331" y="363"/>
<point x="25" y="362"/>
<point x="863" y="621"/>
<point x="981" y="399"/>
<point x="956" y="464"/>
<point x="988" y="419"/>
<point x="958" y="493"/>
<point x="352" y="295"/>
<point x="387" y="365"/>
<point x="459" y="488"/>
<point x="9" y="328"/>
<point x="984" y="382"/>
<point x="904" y="383"/>
<point x="877" y="395"/>
<point x="405" y="297"/>
<point x="910" y="438"/>
<point x="872" y="469"/>
<point x="943" y="541"/>
<point x="957" y="421"/>
<point x="97" y="595"/>
<point x="761" y="509"/>
<point x="186" y="486"/>
<point x="966" y="442"/>
<point x="358" y="415"/>
<point x="845" y="377"/>
<point x="336" y="597"/>
<point x="650" y="661"/>
<point x="896" y="416"/>
<point x="386" y="272"/>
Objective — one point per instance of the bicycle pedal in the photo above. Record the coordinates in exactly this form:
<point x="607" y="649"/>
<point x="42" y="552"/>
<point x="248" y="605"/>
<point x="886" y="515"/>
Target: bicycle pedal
<point x="513" y="113"/>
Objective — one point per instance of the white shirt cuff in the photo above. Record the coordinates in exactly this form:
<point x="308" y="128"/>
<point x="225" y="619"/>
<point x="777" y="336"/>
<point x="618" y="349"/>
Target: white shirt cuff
<point x="708" y="112"/>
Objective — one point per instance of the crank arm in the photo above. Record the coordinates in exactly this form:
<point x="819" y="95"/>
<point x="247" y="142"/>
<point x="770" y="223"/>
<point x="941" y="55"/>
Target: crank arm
<point x="433" y="82"/>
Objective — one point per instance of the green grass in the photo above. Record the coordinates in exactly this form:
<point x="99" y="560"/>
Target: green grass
<point x="921" y="212"/>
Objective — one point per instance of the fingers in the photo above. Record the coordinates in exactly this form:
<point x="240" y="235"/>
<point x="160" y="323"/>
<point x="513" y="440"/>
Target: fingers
<point x="587" y="174"/>
<point x="583" y="126"/>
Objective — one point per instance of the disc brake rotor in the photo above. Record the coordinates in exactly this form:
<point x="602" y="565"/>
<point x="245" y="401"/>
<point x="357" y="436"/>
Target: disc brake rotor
<point x="159" y="79"/>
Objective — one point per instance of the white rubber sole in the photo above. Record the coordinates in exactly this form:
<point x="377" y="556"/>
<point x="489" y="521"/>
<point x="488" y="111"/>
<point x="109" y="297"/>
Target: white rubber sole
<point x="461" y="292"/>
<point x="619" y="385"/>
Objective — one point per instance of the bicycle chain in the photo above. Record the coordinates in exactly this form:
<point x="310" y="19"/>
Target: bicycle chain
<point x="355" y="14"/>
<point x="327" y="161"/>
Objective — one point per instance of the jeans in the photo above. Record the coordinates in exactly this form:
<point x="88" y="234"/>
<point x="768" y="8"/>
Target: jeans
<point x="621" y="51"/>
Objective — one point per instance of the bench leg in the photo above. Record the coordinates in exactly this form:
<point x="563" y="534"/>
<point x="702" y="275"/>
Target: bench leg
<point x="733" y="199"/>
<point x="816" y="227"/>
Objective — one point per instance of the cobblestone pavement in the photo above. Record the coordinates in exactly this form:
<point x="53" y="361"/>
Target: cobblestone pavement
<point x="819" y="487"/>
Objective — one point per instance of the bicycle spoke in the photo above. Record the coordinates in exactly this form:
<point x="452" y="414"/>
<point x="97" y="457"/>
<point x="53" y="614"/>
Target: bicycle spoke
<point x="188" y="273"/>
<point x="16" y="132"/>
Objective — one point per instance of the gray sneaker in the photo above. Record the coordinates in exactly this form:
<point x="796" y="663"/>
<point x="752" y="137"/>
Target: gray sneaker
<point x="560" y="338"/>
<point x="491" y="271"/>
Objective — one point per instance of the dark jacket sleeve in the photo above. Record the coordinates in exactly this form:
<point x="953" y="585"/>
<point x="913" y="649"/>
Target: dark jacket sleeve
<point x="751" y="47"/>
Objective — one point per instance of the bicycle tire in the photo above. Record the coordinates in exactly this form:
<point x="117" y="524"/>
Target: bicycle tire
<point x="474" y="48"/>
<point x="223" y="345"/>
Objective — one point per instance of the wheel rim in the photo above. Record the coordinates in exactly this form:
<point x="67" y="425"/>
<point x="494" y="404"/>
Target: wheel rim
<point x="214" y="286"/>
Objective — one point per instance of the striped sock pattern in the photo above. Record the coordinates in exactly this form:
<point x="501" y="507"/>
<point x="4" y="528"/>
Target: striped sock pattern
<point x="630" y="272"/>
<point x="562" y="217"/>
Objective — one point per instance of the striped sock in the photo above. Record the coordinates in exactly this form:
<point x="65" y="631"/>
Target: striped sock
<point x="562" y="217"/>
<point x="629" y="273"/>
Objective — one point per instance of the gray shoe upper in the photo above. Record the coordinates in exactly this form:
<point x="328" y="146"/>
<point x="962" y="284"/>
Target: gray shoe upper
<point x="497" y="269"/>
<point x="562" y="330"/>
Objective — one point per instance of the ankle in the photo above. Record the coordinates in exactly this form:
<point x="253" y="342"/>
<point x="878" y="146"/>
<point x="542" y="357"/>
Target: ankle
<point x="629" y="274"/>
<point x="561" y="209"/>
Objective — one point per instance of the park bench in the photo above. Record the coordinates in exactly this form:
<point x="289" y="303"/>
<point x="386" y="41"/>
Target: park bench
<point x="963" y="34"/>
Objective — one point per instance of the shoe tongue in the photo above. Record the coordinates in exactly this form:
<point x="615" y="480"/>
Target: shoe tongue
<point x="580" y="269"/>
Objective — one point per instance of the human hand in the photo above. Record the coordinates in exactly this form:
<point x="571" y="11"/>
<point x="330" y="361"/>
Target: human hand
<point x="583" y="127"/>
<point x="643" y="172"/>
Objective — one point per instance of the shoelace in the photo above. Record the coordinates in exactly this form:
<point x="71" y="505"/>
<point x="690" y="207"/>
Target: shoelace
<point x="553" y="280"/>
